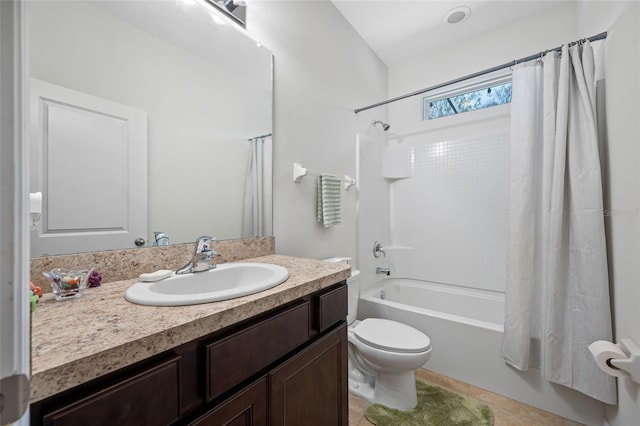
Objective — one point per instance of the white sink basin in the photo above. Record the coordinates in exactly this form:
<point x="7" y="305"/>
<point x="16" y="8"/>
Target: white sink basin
<point x="227" y="281"/>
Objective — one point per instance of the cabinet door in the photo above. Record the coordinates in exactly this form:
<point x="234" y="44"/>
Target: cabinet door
<point x="311" y="388"/>
<point x="246" y="408"/>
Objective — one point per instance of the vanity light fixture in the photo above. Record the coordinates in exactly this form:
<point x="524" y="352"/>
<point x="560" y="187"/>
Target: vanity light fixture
<point x="232" y="5"/>
<point x="216" y="14"/>
<point x="457" y="15"/>
<point x="230" y="11"/>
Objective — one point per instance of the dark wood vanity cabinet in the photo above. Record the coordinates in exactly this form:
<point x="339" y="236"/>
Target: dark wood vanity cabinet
<point x="285" y="367"/>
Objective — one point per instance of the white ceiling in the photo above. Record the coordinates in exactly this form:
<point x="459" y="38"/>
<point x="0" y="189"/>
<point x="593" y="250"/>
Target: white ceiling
<point x="399" y="30"/>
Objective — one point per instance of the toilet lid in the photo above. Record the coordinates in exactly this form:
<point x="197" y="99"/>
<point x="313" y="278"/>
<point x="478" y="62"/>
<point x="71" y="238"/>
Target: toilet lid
<point x="391" y="336"/>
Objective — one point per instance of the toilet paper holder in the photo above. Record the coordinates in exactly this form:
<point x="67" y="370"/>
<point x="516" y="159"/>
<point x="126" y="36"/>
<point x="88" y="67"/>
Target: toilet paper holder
<point x="630" y="365"/>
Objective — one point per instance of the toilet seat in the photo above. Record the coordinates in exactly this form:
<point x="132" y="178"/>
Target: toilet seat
<point x="391" y="336"/>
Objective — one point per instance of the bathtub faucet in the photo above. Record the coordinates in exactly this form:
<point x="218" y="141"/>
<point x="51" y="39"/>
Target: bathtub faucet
<point x="383" y="271"/>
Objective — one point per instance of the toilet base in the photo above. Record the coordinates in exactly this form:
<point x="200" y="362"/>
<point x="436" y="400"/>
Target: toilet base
<point x="396" y="390"/>
<point x="391" y="390"/>
<point x="363" y="390"/>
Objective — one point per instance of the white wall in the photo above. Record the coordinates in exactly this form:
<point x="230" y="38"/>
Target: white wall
<point x="323" y="70"/>
<point x="622" y="179"/>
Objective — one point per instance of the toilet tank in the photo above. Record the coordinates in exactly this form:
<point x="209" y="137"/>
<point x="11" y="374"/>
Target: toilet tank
<point x="353" y="291"/>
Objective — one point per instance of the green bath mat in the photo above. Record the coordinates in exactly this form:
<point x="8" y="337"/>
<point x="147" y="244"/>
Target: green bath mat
<point x="436" y="407"/>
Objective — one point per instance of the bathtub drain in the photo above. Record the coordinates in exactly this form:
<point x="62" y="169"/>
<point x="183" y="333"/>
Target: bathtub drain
<point x="382" y="295"/>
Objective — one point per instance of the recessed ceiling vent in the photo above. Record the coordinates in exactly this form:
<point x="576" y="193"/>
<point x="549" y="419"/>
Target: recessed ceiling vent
<point x="457" y="15"/>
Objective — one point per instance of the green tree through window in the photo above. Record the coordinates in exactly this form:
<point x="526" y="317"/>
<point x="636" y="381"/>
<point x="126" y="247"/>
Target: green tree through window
<point x="486" y="97"/>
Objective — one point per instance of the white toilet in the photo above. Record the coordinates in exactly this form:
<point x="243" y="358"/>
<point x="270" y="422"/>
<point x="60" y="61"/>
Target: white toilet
<point x="383" y="355"/>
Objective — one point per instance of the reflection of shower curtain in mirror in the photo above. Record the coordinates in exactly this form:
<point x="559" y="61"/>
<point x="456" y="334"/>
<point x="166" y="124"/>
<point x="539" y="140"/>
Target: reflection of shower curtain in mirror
<point x="257" y="195"/>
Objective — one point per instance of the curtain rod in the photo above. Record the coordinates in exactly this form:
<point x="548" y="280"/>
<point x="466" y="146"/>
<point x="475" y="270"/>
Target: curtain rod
<point x="261" y="136"/>
<point x="596" y="37"/>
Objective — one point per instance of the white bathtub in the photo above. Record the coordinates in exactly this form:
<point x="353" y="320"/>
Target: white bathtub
<point x="465" y="328"/>
<point x="468" y="306"/>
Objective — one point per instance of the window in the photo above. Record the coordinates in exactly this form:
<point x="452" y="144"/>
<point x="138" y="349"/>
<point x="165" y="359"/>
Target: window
<point x="463" y="100"/>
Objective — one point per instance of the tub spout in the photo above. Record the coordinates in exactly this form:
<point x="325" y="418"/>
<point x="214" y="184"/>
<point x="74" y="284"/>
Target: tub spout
<point x="383" y="271"/>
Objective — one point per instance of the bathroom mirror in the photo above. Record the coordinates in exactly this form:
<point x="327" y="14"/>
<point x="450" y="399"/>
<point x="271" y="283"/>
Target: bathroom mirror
<point x="205" y="88"/>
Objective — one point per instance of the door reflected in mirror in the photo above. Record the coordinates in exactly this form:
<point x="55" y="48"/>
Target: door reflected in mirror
<point x="206" y="91"/>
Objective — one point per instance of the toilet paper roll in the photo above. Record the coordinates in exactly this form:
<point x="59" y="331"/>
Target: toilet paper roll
<point x="604" y="351"/>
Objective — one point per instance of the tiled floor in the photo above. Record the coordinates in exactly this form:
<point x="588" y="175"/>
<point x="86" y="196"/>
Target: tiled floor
<point x="507" y="412"/>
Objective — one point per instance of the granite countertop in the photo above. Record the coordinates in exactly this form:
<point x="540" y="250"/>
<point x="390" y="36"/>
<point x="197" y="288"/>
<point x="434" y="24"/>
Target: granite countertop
<point x="78" y="340"/>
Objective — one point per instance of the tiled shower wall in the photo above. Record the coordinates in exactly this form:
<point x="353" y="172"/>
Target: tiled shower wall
<point x="448" y="222"/>
<point x="373" y="202"/>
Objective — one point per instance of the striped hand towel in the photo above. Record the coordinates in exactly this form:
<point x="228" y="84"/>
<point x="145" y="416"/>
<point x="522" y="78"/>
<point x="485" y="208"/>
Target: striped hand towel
<point x="328" y="200"/>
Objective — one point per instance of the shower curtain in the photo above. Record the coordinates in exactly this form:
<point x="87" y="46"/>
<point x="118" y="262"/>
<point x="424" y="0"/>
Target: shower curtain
<point x="257" y="217"/>
<point x="557" y="290"/>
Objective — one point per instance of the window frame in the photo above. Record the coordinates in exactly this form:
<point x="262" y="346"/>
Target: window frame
<point x="461" y="89"/>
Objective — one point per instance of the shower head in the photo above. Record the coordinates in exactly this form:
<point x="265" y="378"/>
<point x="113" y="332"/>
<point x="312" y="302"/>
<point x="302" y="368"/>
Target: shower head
<point x="385" y="126"/>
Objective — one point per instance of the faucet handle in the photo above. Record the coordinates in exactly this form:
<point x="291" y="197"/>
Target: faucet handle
<point x="204" y="243"/>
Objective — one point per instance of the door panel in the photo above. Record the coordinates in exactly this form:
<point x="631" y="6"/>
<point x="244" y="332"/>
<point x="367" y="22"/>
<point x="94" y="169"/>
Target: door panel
<point x="90" y="163"/>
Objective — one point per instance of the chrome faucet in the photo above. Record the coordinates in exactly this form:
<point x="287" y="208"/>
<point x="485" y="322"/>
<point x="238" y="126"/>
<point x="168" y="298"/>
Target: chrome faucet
<point x="202" y="259"/>
<point x="162" y="239"/>
<point x="383" y="271"/>
<point x="378" y="250"/>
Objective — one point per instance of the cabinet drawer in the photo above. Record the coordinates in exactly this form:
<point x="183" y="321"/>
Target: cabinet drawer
<point x="148" y="398"/>
<point x="242" y="354"/>
<point x="332" y="307"/>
